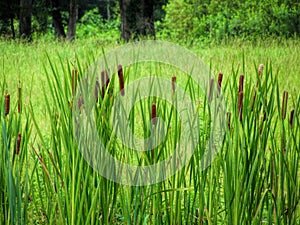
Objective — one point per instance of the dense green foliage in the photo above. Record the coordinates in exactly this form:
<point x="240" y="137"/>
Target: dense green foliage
<point x="204" y="19"/>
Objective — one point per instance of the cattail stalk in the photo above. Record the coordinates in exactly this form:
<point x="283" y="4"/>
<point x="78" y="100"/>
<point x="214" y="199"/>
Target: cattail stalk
<point x="153" y="114"/>
<point x="7" y="104"/>
<point x="240" y="105"/>
<point x="19" y="98"/>
<point x="173" y="83"/>
<point x="121" y="79"/>
<point x="18" y="144"/>
<point x="241" y="84"/>
<point x="284" y="104"/>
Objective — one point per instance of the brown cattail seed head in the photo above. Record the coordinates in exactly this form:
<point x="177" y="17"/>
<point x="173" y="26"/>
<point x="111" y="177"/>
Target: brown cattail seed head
<point x="241" y="84"/>
<point x="211" y="85"/>
<point x="260" y="69"/>
<point x="173" y="83"/>
<point x="153" y="114"/>
<point x="240" y="105"/>
<point x="220" y="78"/>
<point x="121" y="79"/>
<point x="284" y="104"/>
<point x="292" y="117"/>
<point x="18" y="144"/>
<point x="7" y="104"/>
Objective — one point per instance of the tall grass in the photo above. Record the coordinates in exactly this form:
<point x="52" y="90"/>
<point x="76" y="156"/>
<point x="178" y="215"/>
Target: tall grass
<point x="253" y="180"/>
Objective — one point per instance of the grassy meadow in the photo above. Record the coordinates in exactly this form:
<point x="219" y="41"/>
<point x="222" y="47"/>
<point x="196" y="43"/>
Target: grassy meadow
<point x="254" y="179"/>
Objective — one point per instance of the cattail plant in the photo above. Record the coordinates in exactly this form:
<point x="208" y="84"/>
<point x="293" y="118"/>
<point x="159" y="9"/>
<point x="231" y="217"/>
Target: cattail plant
<point x="241" y="96"/>
<point x="18" y="144"/>
<point x="220" y="78"/>
<point x="7" y="104"/>
<point x="284" y="104"/>
<point x="173" y="83"/>
<point x="121" y="79"/>
<point x="241" y="83"/>
<point x="153" y="114"/>
<point x="292" y="117"/>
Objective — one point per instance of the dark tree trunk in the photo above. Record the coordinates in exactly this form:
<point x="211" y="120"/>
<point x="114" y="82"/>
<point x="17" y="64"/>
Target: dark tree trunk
<point x="12" y="26"/>
<point x="136" y="18"/>
<point x="148" y="20"/>
<point x="72" y="19"/>
<point x="57" y="20"/>
<point x="125" y="29"/>
<point x="25" y="19"/>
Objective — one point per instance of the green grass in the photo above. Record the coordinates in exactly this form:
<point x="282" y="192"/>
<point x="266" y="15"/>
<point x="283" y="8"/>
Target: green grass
<point x="253" y="180"/>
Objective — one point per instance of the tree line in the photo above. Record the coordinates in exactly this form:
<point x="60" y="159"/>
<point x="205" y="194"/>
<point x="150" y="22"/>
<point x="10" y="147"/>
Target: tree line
<point x="176" y="19"/>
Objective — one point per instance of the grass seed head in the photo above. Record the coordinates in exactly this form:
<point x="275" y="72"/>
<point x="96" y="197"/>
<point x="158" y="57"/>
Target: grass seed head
<point x="260" y="69"/>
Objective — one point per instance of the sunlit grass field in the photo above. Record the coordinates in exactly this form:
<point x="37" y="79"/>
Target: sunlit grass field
<point x="255" y="178"/>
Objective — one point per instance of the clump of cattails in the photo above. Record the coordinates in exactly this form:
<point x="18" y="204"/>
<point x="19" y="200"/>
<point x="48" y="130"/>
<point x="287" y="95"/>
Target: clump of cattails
<point x="121" y="79"/>
<point x="220" y="78"/>
<point x="292" y="117"/>
<point x="284" y="104"/>
<point x="7" y="104"/>
<point x="19" y="98"/>
<point x="153" y="114"/>
<point x="18" y="144"/>
<point x="173" y="83"/>
<point x="211" y="86"/>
